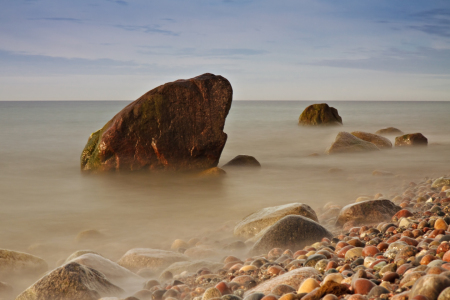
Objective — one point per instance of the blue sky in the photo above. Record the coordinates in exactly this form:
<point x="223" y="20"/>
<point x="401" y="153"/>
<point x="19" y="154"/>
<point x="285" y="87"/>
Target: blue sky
<point x="269" y="50"/>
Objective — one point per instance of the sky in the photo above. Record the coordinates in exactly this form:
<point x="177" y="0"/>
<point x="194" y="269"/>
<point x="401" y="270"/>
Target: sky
<point x="268" y="50"/>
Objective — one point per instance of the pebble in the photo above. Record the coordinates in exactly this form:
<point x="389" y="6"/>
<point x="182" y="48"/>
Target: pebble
<point x="210" y="293"/>
<point x="308" y="285"/>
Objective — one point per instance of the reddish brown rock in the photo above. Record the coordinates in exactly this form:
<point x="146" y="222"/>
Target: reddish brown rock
<point x="341" y="253"/>
<point x="363" y="286"/>
<point x="403" y="213"/>
<point x="390" y="276"/>
<point x="412" y="139"/>
<point x="223" y="288"/>
<point x="427" y="259"/>
<point x="440" y="224"/>
<point x="409" y="241"/>
<point x="176" y="126"/>
<point x="443" y="247"/>
<point x="373" y="210"/>
<point x="370" y="251"/>
<point x="320" y="114"/>
<point x="446" y="256"/>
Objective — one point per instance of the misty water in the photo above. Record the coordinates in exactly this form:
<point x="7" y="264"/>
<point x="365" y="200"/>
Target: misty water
<point x="46" y="201"/>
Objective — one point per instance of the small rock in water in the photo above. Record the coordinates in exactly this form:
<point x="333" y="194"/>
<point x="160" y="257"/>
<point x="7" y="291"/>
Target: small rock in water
<point x="71" y="281"/>
<point x="15" y="263"/>
<point x="412" y="139"/>
<point x="256" y="222"/>
<point x="379" y="141"/>
<point x="115" y="273"/>
<point x="382" y="173"/>
<point x="213" y="172"/>
<point x="367" y="211"/>
<point x="89" y="235"/>
<point x="153" y="259"/>
<point x="389" y="131"/>
<point x="291" y="232"/>
<point x="320" y="114"/>
<point x="346" y="142"/>
<point x="243" y="161"/>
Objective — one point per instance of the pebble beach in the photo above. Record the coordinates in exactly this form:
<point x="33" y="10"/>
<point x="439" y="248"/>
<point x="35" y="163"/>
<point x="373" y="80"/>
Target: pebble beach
<point x="403" y="253"/>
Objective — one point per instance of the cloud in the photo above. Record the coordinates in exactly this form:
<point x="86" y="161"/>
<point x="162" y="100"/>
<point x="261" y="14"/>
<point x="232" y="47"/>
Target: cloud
<point x="120" y="2"/>
<point x="235" y="53"/>
<point x="422" y="61"/>
<point x="434" y="22"/>
<point x="19" y="63"/>
<point x="147" y="29"/>
<point x="59" y="19"/>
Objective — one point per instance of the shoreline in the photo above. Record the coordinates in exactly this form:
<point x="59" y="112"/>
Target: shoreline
<point x="362" y="260"/>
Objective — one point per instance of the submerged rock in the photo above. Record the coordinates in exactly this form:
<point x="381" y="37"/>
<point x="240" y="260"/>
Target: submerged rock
<point x="15" y="263"/>
<point x="176" y="126"/>
<point x="113" y="272"/>
<point x="152" y="259"/>
<point x="369" y="211"/>
<point x="320" y="114"/>
<point x="243" y="161"/>
<point x="71" y="281"/>
<point x="379" y="141"/>
<point x="192" y="266"/>
<point x="212" y="172"/>
<point x="79" y="253"/>
<point x="255" y="222"/>
<point x="389" y="131"/>
<point x="291" y="232"/>
<point x="412" y="139"/>
<point x="347" y="142"/>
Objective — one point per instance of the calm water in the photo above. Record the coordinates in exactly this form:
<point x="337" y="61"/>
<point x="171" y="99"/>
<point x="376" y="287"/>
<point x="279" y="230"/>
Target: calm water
<point x="46" y="201"/>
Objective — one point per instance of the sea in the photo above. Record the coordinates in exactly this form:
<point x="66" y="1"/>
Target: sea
<point x="46" y="201"/>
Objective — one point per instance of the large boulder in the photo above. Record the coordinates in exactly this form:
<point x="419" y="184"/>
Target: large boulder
<point x="347" y="142"/>
<point x="320" y="114"/>
<point x="256" y="222"/>
<point x="411" y="139"/>
<point x="113" y="272"/>
<point x="291" y="232"/>
<point x="379" y="141"/>
<point x="69" y="282"/>
<point x="15" y="263"/>
<point x="293" y="278"/>
<point x="389" y="131"/>
<point x="367" y="211"/>
<point x="176" y="126"/>
<point x="153" y="259"/>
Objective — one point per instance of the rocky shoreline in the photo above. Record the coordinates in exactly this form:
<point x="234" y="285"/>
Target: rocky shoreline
<point x="374" y="248"/>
